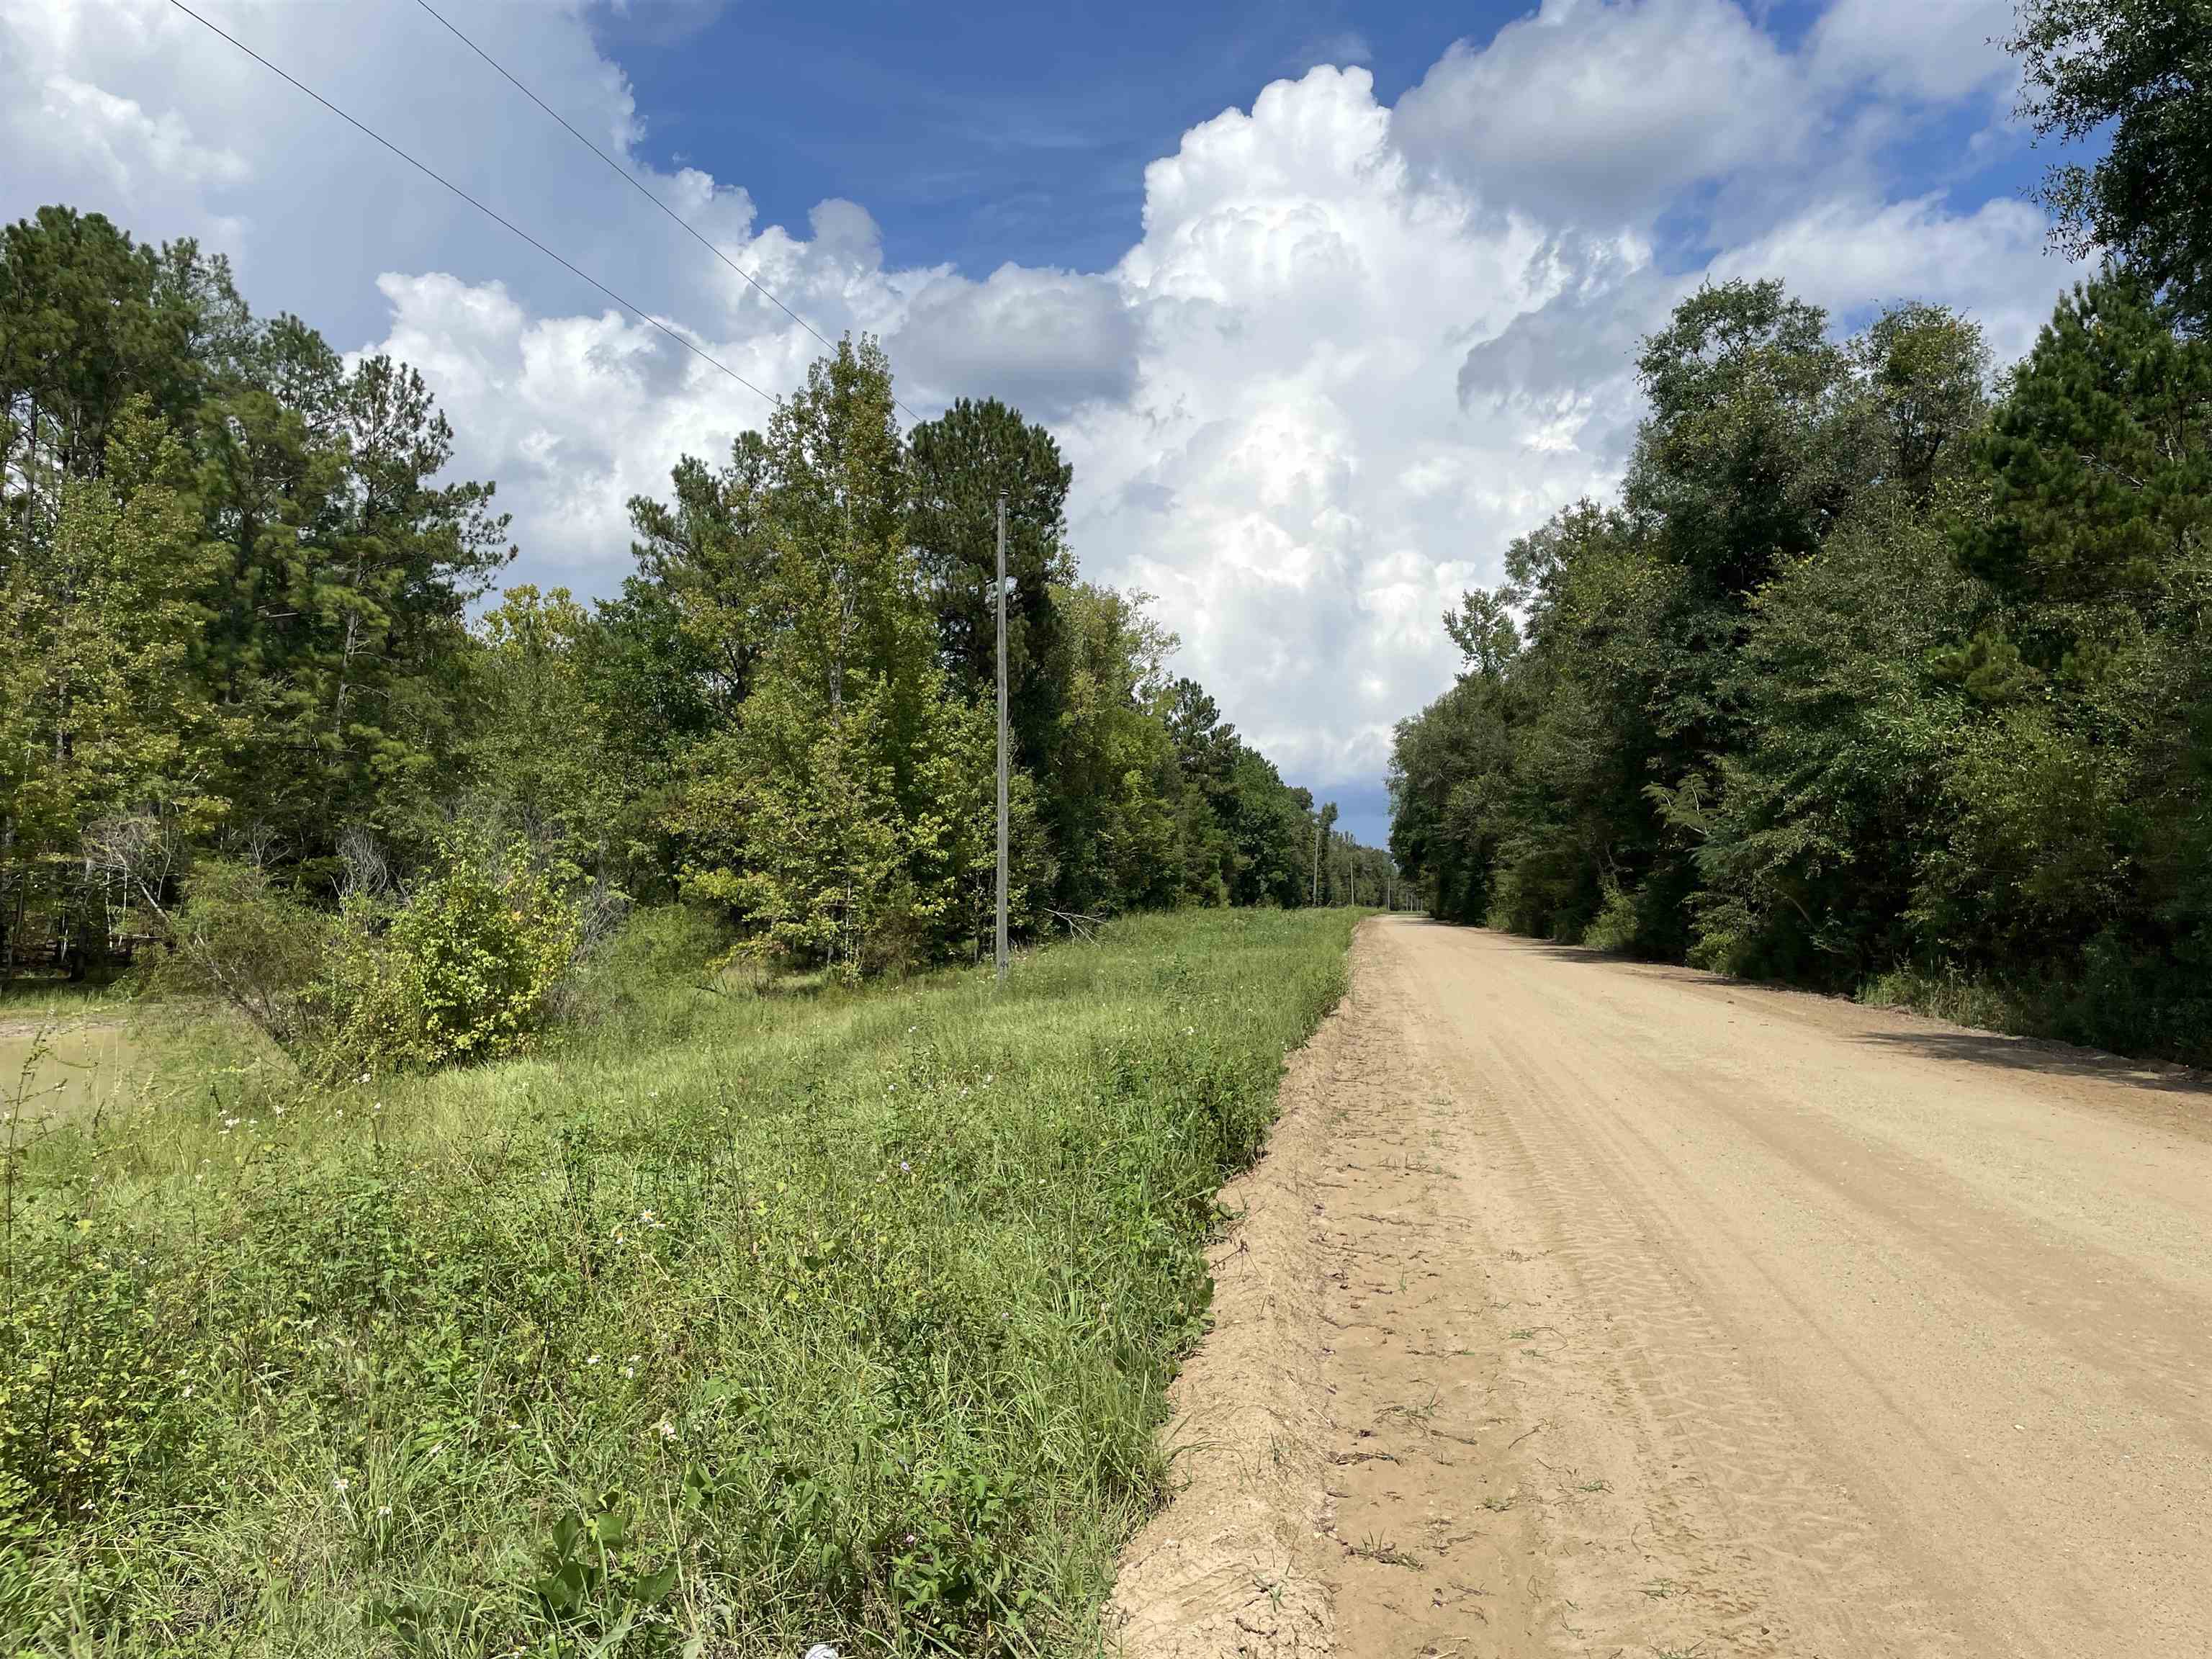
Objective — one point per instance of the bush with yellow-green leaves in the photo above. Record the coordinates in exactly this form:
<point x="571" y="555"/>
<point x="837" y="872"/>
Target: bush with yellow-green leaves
<point x="464" y="968"/>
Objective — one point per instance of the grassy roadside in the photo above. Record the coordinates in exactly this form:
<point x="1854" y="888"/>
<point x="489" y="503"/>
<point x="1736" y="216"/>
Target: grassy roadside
<point x="739" y="1323"/>
<point x="2114" y="1010"/>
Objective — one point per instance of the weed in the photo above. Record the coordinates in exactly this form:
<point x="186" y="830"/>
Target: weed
<point x="737" y="1321"/>
<point x="1382" y="1551"/>
<point x="1421" y="1413"/>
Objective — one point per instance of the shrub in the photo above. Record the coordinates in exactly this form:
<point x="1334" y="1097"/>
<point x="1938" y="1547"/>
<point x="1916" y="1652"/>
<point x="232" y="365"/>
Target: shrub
<point x="464" y="971"/>
<point x="238" y="937"/>
<point x="1615" y="926"/>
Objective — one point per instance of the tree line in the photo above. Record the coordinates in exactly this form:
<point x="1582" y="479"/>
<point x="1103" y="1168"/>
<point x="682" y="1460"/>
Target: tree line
<point x="1883" y="673"/>
<point x="252" y="642"/>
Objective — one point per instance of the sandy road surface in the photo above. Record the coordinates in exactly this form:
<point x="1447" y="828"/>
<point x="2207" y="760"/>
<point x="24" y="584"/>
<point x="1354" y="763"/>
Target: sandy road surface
<point x="1583" y="1307"/>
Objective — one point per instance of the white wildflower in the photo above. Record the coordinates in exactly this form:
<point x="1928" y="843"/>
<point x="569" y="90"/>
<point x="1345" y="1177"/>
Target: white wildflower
<point x="667" y="1429"/>
<point x="339" y="1485"/>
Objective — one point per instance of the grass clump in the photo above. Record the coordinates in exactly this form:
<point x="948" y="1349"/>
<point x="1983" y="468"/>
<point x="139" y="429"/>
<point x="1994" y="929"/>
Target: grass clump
<point x="737" y="1319"/>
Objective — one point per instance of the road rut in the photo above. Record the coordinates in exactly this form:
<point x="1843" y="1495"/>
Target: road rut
<point x="1587" y="1307"/>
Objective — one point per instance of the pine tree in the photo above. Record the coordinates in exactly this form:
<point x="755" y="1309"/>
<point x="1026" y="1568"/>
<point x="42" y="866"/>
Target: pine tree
<point x="101" y="714"/>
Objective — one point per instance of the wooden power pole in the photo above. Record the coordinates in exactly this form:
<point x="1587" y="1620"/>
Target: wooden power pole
<point x="1002" y="739"/>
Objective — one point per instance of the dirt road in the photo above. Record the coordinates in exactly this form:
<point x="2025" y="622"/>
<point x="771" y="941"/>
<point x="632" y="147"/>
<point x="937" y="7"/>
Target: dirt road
<point x="1589" y="1308"/>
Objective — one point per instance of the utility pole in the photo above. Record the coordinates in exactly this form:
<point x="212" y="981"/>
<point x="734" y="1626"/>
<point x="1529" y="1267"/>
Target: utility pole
<point x="1002" y="739"/>
<point x="1317" y="862"/>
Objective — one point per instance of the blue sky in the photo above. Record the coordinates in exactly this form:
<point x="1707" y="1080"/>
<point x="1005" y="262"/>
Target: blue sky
<point x="990" y="133"/>
<point x="1326" y="304"/>
<point x="986" y="133"/>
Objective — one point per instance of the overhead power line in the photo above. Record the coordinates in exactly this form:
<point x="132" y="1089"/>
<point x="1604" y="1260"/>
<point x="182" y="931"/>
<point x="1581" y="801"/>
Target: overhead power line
<point x="637" y="183"/>
<point x="428" y="172"/>
<point x="622" y="173"/>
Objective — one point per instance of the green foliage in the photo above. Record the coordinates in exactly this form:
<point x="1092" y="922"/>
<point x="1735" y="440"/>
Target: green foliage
<point x="233" y="584"/>
<point x="1115" y="761"/>
<point x="962" y="463"/>
<point x="2100" y="471"/>
<point x="90" y="1343"/>
<point x="845" y="814"/>
<point x="540" y="759"/>
<point x="236" y="584"/>
<point x="464" y="969"/>
<point x="100" y="712"/>
<point x="247" y="940"/>
<point x="838" y="806"/>
<point x="336" y="631"/>
<point x="746" y="1321"/>
<point x="1866" y="683"/>
<point x="584" y="1586"/>
<point x="2138" y="75"/>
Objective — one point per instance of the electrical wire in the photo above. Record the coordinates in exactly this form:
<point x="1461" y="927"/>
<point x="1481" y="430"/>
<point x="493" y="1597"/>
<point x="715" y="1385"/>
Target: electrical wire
<point x="428" y="172"/>
<point x="637" y="184"/>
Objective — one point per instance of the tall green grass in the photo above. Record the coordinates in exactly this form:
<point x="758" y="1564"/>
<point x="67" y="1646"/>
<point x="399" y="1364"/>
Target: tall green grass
<point x="2112" y="1002"/>
<point x="742" y="1320"/>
